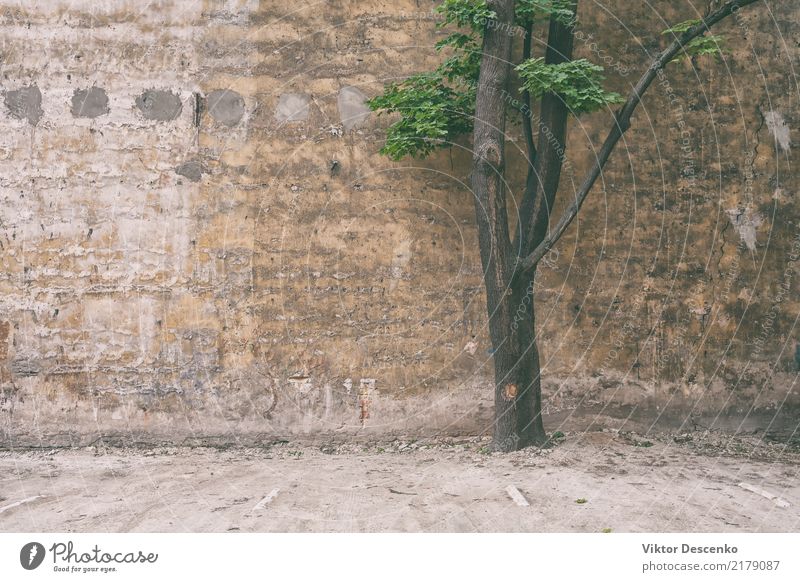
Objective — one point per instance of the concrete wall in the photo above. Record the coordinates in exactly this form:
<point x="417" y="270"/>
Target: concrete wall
<point x="199" y="239"/>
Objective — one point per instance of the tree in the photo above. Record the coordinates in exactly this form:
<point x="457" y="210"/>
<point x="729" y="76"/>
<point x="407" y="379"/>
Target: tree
<point x="469" y="93"/>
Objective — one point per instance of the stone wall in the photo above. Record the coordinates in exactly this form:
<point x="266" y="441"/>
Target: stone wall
<point x="200" y="240"/>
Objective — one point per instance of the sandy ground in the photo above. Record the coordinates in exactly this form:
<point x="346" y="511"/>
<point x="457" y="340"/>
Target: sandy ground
<point x="624" y="483"/>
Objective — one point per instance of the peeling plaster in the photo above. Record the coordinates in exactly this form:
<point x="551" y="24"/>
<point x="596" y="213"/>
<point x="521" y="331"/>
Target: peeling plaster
<point x="25" y="103"/>
<point x="746" y="224"/>
<point x="353" y="109"/>
<point x="292" y="107"/>
<point x="779" y="129"/>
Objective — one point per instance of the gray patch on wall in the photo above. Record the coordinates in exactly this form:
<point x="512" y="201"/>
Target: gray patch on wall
<point x="24" y="368"/>
<point x="292" y="107"/>
<point x="25" y="103"/>
<point x="193" y="170"/>
<point x="89" y="103"/>
<point x="779" y="130"/>
<point x="353" y="110"/>
<point x="226" y="106"/>
<point x="746" y="222"/>
<point x="159" y="105"/>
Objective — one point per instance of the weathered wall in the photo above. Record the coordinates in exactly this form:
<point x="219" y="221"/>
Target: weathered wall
<point x="199" y="238"/>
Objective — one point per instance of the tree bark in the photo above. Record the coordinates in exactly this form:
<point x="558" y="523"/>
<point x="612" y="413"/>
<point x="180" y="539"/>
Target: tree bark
<point x="510" y="326"/>
<point x="540" y="193"/>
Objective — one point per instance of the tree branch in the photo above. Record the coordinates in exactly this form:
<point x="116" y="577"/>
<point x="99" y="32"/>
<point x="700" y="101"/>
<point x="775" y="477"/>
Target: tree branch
<point x="542" y="184"/>
<point x="622" y="121"/>
<point x="531" y="181"/>
<point x="527" y="126"/>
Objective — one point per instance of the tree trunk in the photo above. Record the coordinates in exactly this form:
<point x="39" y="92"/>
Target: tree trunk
<point x="542" y="186"/>
<point x="526" y="409"/>
<point x="518" y="394"/>
<point x="510" y="314"/>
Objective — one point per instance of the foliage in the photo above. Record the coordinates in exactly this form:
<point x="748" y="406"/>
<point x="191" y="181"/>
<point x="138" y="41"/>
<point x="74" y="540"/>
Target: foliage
<point x="475" y="14"/>
<point x="706" y="44"/>
<point x="432" y="114"/>
<point x="682" y="27"/>
<point x="472" y="14"/>
<point x="578" y="83"/>
<point x="437" y="107"/>
<point x="527" y="11"/>
<point x="464" y="65"/>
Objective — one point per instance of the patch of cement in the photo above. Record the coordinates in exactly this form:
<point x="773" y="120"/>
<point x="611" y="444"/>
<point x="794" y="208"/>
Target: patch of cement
<point x="159" y="105"/>
<point x="353" y="110"/>
<point x="292" y="107"/>
<point x="89" y="103"/>
<point x="25" y="103"/>
<point x="193" y="170"/>
<point x="24" y="368"/>
<point x="746" y="222"/>
<point x="226" y="106"/>
<point x="776" y="125"/>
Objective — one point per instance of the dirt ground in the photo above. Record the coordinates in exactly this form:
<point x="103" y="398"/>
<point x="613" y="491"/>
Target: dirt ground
<point x="587" y="482"/>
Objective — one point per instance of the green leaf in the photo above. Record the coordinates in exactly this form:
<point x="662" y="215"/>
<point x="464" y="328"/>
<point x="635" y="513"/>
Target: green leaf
<point x="682" y="27"/>
<point x="432" y="114"/>
<point x="531" y="11"/>
<point x="456" y="40"/>
<point x="472" y="14"/>
<point x="436" y="108"/>
<point x="578" y="83"/>
<point x="706" y="44"/>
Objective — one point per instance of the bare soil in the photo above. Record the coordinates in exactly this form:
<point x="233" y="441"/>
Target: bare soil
<point x="586" y="482"/>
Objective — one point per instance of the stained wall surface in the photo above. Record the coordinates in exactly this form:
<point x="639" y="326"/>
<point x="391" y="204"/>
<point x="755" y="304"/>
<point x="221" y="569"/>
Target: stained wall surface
<point x="200" y="240"/>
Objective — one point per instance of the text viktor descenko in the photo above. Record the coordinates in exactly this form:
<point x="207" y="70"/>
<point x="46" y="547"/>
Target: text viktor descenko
<point x="688" y="549"/>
